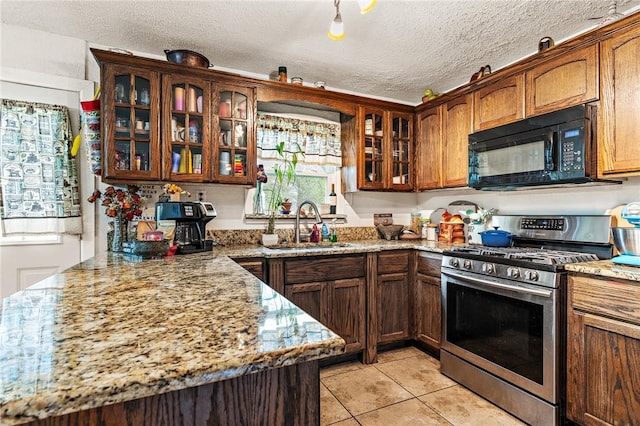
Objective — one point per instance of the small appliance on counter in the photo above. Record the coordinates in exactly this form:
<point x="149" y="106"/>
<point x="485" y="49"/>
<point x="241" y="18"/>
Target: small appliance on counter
<point x="627" y="239"/>
<point x="189" y="220"/>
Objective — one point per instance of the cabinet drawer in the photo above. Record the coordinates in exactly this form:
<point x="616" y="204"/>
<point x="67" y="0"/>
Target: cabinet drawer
<point x="393" y="261"/>
<point x="614" y="299"/>
<point x="323" y="269"/>
<point x="429" y="264"/>
<point x="253" y="265"/>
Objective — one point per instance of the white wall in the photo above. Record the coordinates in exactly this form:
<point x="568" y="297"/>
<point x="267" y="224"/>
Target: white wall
<point x="39" y="51"/>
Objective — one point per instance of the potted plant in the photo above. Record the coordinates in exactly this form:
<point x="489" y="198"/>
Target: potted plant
<point x="284" y="175"/>
<point x="286" y="206"/>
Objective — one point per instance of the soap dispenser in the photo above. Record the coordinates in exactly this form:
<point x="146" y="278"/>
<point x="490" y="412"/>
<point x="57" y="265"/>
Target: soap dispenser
<point x="315" y="234"/>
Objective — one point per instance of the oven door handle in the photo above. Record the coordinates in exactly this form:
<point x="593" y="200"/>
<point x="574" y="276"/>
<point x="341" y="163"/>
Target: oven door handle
<point x="534" y="292"/>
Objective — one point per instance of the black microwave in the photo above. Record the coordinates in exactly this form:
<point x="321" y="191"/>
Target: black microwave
<point x="554" y="148"/>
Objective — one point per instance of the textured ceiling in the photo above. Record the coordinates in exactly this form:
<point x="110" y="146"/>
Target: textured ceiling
<point x="393" y="52"/>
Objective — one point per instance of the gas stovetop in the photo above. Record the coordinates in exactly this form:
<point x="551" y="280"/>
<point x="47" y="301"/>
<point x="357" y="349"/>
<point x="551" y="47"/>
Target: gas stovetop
<point x="533" y="255"/>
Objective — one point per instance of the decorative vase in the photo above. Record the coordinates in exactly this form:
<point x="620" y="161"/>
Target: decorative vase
<point x="119" y="232"/>
<point x="174" y="197"/>
<point x="269" y="239"/>
<point x="259" y="200"/>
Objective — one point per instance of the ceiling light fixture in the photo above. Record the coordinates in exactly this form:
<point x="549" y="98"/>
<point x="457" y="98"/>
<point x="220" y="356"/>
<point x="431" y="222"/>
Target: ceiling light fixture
<point x="336" y="31"/>
<point x="366" y="5"/>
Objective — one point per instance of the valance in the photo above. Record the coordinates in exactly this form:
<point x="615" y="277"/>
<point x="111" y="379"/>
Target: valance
<point x="319" y="140"/>
<point x="39" y="178"/>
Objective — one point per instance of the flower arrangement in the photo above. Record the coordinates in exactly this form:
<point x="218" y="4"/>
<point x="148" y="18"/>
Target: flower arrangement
<point x="172" y="188"/>
<point x="127" y="203"/>
<point x="482" y="215"/>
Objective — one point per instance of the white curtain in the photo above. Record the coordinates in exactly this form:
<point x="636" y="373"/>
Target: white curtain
<point x="39" y="178"/>
<point x="318" y="139"/>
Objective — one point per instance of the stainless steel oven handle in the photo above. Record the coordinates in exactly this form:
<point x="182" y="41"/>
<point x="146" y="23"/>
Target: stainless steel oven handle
<point x="542" y="293"/>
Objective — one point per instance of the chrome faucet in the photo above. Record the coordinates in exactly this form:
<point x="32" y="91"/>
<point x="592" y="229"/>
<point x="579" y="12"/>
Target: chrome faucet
<point x="315" y="210"/>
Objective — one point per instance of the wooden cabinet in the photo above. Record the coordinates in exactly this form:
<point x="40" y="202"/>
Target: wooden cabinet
<point x="457" y="124"/>
<point x="499" y="103"/>
<point x="130" y="123"/>
<point x="567" y="80"/>
<point x="235" y="157"/>
<point x="205" y="120"/>
<point x="392" y="296"/>
<point x="186" y="119"/>
<point x="332" y="290"/>
<point x="385" y="150"/>
<point x="429" y="149"/>
<point x="603" y="355"/>
<point x="427" y="295"/>
<point x="619" y="123"/>
<point x="254" y="265"/>
<point x="443" y="141"/>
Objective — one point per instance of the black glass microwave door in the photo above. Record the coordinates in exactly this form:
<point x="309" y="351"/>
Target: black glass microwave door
<point x="506" y="331"/>
<point x="524" y="159"/>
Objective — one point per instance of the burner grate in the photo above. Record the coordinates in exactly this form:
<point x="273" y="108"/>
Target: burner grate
<point x="534" y="255"/>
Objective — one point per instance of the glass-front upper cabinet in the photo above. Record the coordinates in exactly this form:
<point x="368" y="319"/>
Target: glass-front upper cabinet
<point x="186" y="132"/>
<point x="130" y="104"/>
<point x="234" y="159"/>
<point x="401" y="144"/>
<point x="372" y="170"/>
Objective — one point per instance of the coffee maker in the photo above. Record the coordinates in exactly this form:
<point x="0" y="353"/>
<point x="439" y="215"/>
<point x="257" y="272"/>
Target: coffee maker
<point x="190" y="220"/>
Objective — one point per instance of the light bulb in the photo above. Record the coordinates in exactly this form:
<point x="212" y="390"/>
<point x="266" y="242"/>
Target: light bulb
<point x="366" y="5"/>
<point x="336" y="31"/>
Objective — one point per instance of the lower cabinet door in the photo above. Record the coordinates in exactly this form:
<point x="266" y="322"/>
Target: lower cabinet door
<point x="347" y="312"/>
<point x="339" y="305"/>
<point x="311" y="298"/>
<point x="392" y="301"/>
<point x="428" y="310"/>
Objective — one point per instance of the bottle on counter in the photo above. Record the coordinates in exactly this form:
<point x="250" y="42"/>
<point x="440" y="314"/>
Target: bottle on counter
<point x="282" y="74"/>
<point x="315" y="234"/>
<point x="325" y="232"/>
<point x="333" y="199"/>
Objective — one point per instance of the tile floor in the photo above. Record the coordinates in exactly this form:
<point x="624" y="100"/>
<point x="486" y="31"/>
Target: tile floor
<point x="405" y="387"/>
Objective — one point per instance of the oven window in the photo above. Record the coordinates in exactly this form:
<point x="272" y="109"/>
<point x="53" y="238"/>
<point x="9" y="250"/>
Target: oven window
<point x="521" y="158"/>
<point x="503" y="330"/>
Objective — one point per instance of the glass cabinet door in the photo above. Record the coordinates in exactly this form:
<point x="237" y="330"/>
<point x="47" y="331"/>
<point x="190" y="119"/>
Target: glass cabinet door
<point x="373" y="163"/>
<point x="234" y="155"/>
<point x="401" y="141"/>
<point x="186" y="131"/>
<point x="131" y="98"/>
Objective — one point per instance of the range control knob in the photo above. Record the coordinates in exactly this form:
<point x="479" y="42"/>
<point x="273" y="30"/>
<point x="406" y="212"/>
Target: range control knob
<point x="513" y="272"/>
<point x="454" y="262"/>
<point x="488" y="268"/>
<point x="466" y="264"/>
<point x="531" y="275"/>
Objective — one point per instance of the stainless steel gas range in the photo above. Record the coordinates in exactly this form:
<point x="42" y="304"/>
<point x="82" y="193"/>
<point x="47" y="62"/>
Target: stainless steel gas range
<point x="504" y="319"/>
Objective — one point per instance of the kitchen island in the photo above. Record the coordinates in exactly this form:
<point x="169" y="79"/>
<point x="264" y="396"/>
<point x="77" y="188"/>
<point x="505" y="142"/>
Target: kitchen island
<point x="180" y="340"/>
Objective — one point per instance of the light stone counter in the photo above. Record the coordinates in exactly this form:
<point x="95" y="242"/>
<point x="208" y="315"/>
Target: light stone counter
<point x="113" y="329"/>
<point x="325" y="249"/>
<point x="606" y="268"/>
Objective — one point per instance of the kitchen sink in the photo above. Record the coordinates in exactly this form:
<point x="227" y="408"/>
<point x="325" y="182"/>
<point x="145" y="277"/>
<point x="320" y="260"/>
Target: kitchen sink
<point x="310" y="246"/>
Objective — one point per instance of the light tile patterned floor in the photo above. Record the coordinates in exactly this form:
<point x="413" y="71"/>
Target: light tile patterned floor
<point x="405" y="387"/>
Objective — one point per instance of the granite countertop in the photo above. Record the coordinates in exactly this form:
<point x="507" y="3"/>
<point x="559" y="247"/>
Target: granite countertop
<point x="606" y="268"/>
<point x="113" y="329"/>
<point x="324" y="249"/>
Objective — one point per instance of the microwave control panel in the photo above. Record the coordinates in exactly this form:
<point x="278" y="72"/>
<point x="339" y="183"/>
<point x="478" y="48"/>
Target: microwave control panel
<point x="572" y="145"/>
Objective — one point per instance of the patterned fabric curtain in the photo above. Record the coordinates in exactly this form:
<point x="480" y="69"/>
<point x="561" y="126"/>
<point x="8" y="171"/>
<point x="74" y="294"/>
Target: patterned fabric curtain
<point x="38" y="176"/>
<point x="319" y="140"/>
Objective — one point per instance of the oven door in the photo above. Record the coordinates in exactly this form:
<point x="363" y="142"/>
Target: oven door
<point x="509" y="329"/>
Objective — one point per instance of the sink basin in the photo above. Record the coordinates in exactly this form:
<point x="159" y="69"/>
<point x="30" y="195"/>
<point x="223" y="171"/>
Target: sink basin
<point x="309" y="246"/>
